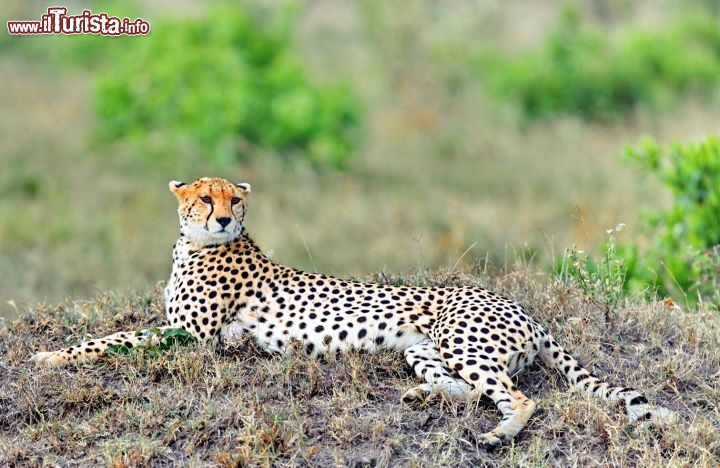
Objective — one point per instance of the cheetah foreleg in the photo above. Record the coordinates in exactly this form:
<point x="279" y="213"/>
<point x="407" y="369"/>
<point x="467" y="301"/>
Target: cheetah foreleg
<point x="94" y="349"/>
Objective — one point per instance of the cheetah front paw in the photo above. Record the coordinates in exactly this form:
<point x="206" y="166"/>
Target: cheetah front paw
<point x="418" y="396"/>
<point x="49" y="358"/>
<point x="490" y="441"/>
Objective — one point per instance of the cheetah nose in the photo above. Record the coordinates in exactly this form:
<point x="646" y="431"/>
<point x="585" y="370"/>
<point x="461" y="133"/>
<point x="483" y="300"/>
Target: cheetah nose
<point x="223" y="221"/>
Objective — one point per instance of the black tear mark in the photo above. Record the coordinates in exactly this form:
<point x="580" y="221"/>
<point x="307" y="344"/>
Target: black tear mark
<point x="207" y="220"/>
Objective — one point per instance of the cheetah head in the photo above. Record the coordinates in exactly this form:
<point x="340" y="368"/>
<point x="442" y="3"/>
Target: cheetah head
<point x="211" y="209"/>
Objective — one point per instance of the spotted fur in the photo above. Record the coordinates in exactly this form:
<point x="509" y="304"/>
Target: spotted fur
<point x="462" y="341"/>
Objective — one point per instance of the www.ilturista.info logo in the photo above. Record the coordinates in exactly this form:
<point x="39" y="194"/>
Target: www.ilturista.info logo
<point x="57" y="21"/>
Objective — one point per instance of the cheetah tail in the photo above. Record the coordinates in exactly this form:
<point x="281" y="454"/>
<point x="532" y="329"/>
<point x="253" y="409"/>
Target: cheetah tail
<point x="636" y="405"/>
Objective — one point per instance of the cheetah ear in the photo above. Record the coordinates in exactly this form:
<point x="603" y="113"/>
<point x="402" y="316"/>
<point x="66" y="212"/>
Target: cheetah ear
<point x="245" y="187"/>
<point x="176" y="186"/>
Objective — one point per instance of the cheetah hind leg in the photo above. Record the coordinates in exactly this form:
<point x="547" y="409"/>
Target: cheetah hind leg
<point x="92" y="349"/>
<point x="425" y="360"/>
<point x="515" y="407"/>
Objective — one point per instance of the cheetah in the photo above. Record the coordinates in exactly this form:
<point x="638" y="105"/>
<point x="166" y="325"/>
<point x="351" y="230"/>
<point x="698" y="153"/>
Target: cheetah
<point x="464" y="342"/>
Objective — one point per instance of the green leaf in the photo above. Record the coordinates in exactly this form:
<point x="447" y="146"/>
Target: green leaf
<point x="117" y="349"/>
<point x="177" y="337"/>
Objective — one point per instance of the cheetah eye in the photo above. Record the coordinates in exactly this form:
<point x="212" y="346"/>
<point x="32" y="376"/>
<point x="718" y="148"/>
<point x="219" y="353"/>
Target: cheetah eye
<point x="206" y="199"/>
<point x="234" y="200"/>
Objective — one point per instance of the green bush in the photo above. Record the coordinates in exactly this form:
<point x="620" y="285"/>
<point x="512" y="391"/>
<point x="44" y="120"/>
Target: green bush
<point x="677" y="255"/>
<point x="592" y="74"/>
<point x="231" y="87"/>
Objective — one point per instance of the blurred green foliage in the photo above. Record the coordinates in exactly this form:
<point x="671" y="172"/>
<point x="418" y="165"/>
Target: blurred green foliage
<point x="229" y="86"/>
<point x="596" y="74"/>
<point x="679" y="253"/>
<point x="680" y="256"/>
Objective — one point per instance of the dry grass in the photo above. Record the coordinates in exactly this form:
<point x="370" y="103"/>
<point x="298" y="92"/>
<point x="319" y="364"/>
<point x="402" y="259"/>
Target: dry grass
<point x="235" y="407"/>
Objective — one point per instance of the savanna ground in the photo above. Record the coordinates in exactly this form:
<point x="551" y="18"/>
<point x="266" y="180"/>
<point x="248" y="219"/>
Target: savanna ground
<point x="442" y="168"/>
<point x="202" y="406"/>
